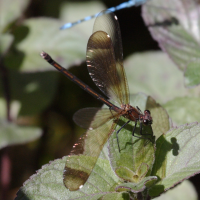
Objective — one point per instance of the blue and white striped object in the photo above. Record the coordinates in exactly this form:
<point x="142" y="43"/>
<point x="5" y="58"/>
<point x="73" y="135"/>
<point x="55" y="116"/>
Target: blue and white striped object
<point x="127" y="4"/>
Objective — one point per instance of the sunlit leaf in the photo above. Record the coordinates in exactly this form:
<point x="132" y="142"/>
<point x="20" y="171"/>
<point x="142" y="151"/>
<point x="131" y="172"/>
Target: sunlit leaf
<point x="183" y="109"/>
<point x="48" y="183"/>
<point x="153" y="73"/>
<point x="13" y="134"/>
<point x="184" y="191"/>
<point x="65" y="47"/>
<point x="10" y="10"/>
<point x="175" y="25"/>
<point x="177" y="157"/>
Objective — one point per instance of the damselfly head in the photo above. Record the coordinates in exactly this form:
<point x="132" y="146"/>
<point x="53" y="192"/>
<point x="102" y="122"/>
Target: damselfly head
<point x="147" y="119"/>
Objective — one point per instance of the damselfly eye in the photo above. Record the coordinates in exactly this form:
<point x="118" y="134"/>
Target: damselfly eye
<point x="147" y="111"/>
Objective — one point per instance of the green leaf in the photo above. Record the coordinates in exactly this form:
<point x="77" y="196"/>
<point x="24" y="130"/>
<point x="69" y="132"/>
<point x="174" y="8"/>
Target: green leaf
<point x="126" y="174"/>
<point x="136" y="156"/>
<point x="48" y="183"/>
<point x="176" y="28"/>
<point x="177" y="157"/>
<point x="34" y="91"/>
<point x="13" y="134"/>
<point x="103" y="179"/>
<point x="11" y="10"/>
<point x="161" y="123"/>
<point x="135" y="188"/>
<point x="133" y="151"/>
<point x="183" y="109"/>
<point x="192" y="73"/>
<point x="66" y="47"/>
<point x="184" y="191"/>
<point x="155" y="76"/>
<point x="73" y="11"/>
<point x="5" y="42"/>
<point x="116" y="196"/>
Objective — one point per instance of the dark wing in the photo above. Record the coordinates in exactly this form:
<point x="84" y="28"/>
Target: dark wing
<point x="92" y="118"/>
<point x="105" y="59"/>
<point x="86" y="151"/>
<point x="84" y="155"/>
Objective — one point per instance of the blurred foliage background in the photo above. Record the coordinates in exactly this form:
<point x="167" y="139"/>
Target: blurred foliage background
<point x="37" y="102"/>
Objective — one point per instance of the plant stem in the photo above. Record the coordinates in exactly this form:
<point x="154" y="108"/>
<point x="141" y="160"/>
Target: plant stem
<point x="5" y="163"/>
